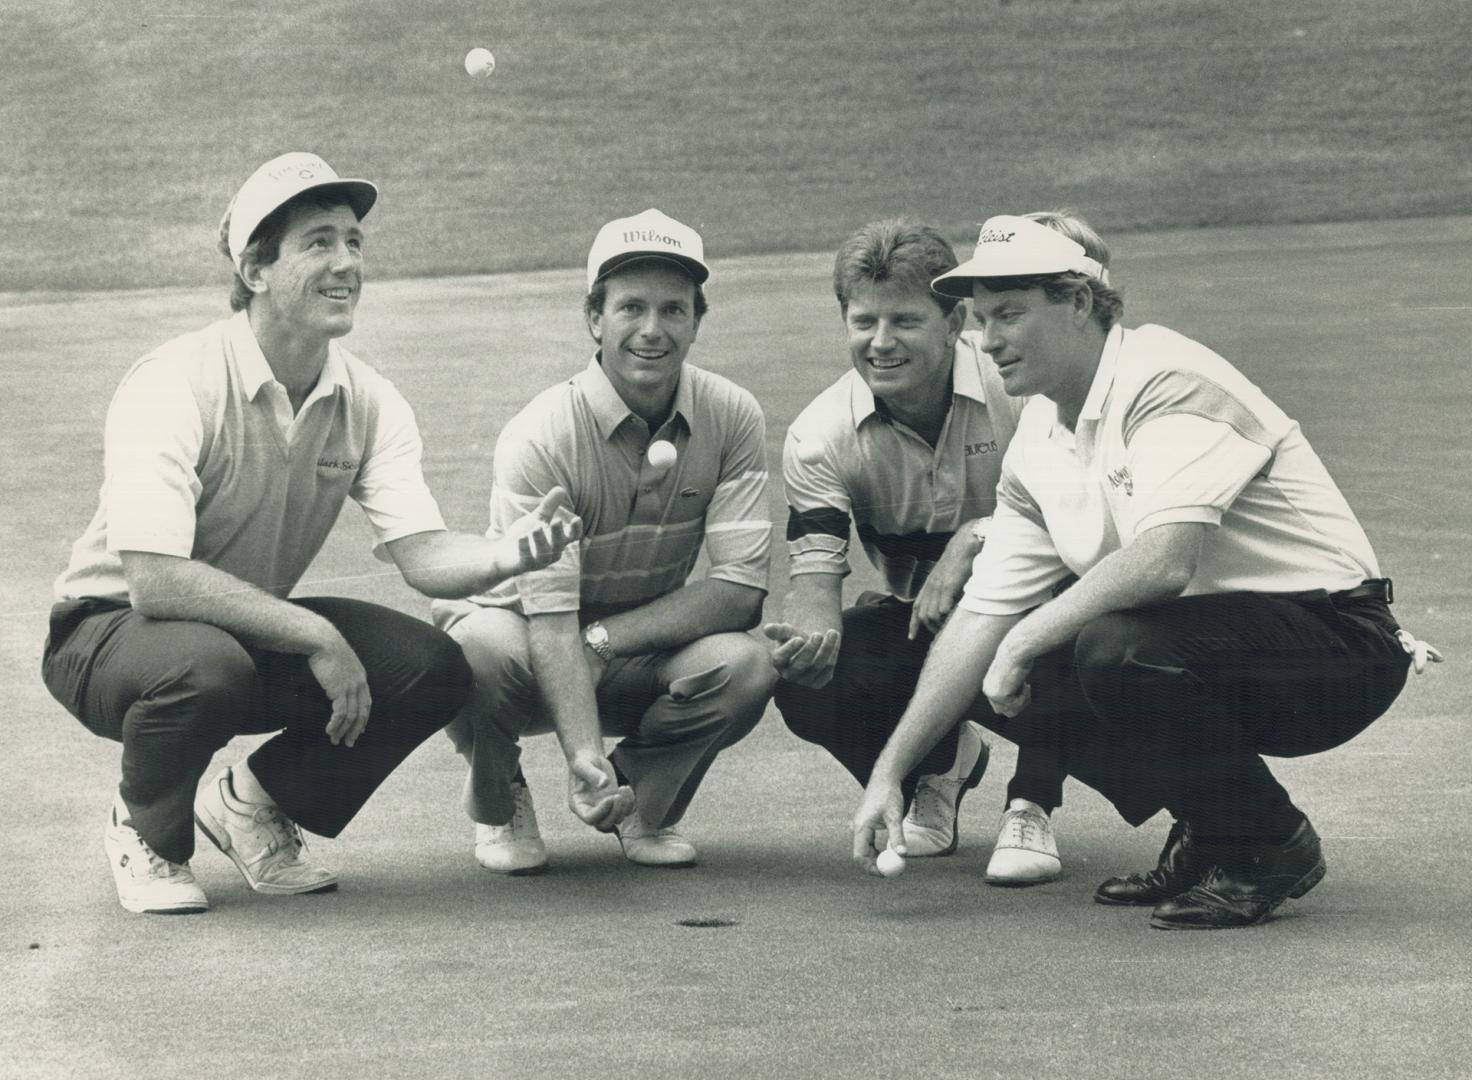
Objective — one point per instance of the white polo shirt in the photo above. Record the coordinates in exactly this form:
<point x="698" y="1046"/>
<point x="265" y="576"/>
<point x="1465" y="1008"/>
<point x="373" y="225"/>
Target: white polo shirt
<point x="204" y="460"/>
<point x="847" y="463"/>
<point x="1170" y="432"/>
<point x="642" y="529"/>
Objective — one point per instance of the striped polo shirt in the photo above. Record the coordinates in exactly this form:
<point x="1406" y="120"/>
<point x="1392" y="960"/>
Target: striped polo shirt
<point x="203" y="459"/>
<point x="1169" y="432"/>
<point x="847" y="462"/>
<point x="642" y="531"/>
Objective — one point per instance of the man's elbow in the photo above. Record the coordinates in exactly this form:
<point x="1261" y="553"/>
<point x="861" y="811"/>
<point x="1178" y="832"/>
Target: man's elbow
<point x="746" y="610"/>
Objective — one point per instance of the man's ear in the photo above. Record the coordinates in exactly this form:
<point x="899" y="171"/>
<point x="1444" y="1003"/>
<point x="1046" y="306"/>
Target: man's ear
<point x="1083" y="302"/>
<point x="251" y="272"/>
<point x="955" y="323"/>
<point x="594" y="319"/>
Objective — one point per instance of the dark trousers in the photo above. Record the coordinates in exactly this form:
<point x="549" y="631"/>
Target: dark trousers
<point x="1172" y="706"/>
<point x="175" y="692"/>
<point x="853" y="716"/>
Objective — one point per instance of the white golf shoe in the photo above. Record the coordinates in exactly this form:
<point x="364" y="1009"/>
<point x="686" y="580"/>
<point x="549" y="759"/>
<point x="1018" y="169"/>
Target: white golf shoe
<point x="930" y="826"/>
<point x="649" y="846"/>
<point x="264" y="844"/>
<point x="1026" y="852"/>
<point x="515" y="848"/>
<point x="147" y="882"/>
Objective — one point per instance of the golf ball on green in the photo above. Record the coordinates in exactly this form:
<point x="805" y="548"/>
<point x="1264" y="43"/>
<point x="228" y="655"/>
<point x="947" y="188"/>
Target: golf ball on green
<point x="890" y="863"/>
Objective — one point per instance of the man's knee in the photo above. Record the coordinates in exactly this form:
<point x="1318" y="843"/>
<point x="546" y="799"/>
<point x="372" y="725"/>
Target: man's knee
<point x="1123" y="663"/>
<point x="504" y="690"/>
<point x="208" y="688"/>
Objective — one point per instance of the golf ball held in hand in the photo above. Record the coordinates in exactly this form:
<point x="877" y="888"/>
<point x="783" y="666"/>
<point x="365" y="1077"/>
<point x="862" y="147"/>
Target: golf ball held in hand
<point x="890" y="863"/>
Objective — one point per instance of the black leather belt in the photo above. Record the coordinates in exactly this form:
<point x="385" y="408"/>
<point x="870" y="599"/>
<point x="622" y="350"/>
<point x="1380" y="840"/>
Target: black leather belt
<point x="1377" y="588"/>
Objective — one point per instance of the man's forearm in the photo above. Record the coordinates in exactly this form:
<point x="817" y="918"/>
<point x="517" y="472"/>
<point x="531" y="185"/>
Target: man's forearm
<point x="689" y="613"/>
<point x="814" y="603"/>
<point x="450" y="565"/>
<point x="168" y="587"/>
<point x="1157" y="566"/>
<point x="556" y="650"/>
<point x="949" y="685"/>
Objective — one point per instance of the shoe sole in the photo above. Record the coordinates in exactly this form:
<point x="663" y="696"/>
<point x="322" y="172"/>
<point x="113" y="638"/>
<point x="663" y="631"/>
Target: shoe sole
<point x="683" y="864"/>
<point x="520" y="871"/>
<point x="1022" y="883"/>
<point x="258" y="886"/>
<point x="177" y="909"/>
<point x="1304" y="884"/>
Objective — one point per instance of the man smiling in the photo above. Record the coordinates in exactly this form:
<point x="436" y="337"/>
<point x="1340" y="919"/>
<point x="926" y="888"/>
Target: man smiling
<point x="906" y="448"/>
<point x="1228" y="604"/>
<point x="228" y="455"/>
<point x="612" y="638"/>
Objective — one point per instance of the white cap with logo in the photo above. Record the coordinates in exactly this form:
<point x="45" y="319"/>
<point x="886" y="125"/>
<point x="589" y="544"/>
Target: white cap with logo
<point x="1011" y="246"/>
<point x="650" y="235"/>
<point x="278" y="180"/>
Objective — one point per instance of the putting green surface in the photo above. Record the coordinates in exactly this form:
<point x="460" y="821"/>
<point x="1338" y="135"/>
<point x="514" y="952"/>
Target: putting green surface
<point x="423" y="965"/>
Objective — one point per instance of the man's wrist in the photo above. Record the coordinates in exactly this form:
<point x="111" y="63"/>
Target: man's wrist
<point x="595" y="637"/>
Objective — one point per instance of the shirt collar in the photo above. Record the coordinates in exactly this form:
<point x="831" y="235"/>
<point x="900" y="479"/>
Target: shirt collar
<point x="965" y="380"/>
<point x="610" y="411"/>
<point x="255" y="370"/>
<point x="1103" y="376"/>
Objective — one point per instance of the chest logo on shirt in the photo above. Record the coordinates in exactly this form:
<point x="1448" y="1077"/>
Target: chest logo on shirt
<point x="1121" y="478"/>
<point x="972" y="449"/>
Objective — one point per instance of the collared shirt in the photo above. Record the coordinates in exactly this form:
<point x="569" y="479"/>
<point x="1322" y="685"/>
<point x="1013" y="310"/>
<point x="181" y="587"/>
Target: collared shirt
<point x="204" y="460"/>
<point x="847" y="460"/>
<point x="1169" y="432"/>
<point x="642" y="529"/>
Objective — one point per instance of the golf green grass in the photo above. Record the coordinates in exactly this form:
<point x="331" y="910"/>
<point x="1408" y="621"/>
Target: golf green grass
<point x="423" y="965"/>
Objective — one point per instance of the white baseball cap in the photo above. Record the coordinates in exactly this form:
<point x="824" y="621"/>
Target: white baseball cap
<point x="1011" y="246"/>
<point x="651" y="234"/>
<point x="275" y="182"/>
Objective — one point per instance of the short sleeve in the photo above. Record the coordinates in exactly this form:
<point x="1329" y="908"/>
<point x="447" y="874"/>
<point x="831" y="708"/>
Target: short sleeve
<point x="1187" y="468"/>
<point x="390" y="484"/>
<point x="738" y="529"/>
<point x="151" y="445"/>
<point x="525" y="470"/>
<point x="819" y="507"/>
<point x="1019" y="565"/>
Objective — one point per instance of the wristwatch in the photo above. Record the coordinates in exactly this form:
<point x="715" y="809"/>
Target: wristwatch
<point x="979" y="528"/>
<point x="596" y="638"/>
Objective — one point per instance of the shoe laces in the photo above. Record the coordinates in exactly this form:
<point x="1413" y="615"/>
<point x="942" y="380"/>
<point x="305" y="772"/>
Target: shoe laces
<point x="286" y="838"/>
<point x="1021" y="828"/>
<point x="930" y="803"/>
<point x="158" y="866"/>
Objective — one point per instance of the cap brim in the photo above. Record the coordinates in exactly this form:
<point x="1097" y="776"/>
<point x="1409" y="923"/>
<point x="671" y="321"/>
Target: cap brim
<point x="958" y="282"/>
<point x="360" y="194"/>
<point x="698" y="271"/>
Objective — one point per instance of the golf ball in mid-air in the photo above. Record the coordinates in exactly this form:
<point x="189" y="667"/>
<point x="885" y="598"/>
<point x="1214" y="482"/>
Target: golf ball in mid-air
<point x="890" y="863"/>
<point x="479" y="63"/>
<point x="661" y="455"/>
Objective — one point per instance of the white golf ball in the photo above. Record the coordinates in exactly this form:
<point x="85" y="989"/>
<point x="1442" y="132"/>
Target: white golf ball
<point x="662" y="455"/>
<point x="479" y="63"/>
<point x="890" y="863"/>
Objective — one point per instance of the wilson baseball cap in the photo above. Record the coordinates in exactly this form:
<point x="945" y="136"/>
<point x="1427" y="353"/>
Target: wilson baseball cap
<point x="650" y="235"/>
<point x="1011" y="246"/>
<point x="278" y="180"/>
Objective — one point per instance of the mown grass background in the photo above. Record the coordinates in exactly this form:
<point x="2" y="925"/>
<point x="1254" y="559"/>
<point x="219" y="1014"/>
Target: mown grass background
<point x="773" y="125"/>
